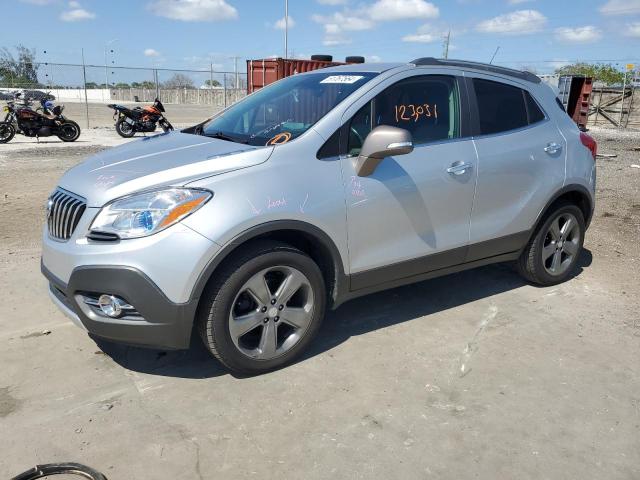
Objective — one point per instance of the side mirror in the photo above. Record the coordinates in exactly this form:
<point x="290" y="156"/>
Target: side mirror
<point x="383" y="141"/>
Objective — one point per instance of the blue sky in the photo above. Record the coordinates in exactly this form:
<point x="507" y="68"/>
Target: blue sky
<point x="192" y="33"/>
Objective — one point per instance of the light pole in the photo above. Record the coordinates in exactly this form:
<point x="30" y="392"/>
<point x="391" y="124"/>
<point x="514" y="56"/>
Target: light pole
<point x="106" y="72"/>
<point x="286" y="28"/>
<point x="50" y="74"/>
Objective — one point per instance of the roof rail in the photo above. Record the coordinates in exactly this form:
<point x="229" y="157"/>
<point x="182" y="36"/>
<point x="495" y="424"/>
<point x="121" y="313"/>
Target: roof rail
<point x="528" y="76"/>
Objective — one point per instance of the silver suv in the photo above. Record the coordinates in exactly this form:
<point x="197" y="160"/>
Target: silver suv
<point x="314" y="190"/>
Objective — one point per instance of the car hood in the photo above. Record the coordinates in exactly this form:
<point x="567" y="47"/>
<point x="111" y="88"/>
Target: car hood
<point x="173" y="158"/>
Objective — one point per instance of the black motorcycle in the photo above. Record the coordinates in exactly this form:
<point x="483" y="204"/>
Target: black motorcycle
<point x="46" y="121"/>
<point x="132" y="120"/>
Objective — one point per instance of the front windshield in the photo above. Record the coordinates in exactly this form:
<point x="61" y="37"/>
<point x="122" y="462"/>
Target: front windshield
<point x="286" y="109"/>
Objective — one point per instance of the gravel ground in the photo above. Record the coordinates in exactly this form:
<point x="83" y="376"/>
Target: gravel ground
<point x="550" y="386"/>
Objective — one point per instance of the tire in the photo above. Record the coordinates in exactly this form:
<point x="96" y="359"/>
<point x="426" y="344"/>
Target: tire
<point x="228" y="308"/>
<point x="554" y="243"/>
<point x="354" y="59"/>
<point x="70" y="131"/>
<point x="166" y="126"/>
<point x="7" y="132"/>
<point x="322" y="58"/>
<point x="124" y="129"/>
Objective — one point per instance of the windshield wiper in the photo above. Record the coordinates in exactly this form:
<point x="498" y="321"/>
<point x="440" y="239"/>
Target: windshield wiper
<point x="224" y="136"/>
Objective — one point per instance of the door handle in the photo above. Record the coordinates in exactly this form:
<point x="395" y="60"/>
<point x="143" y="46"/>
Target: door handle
<point x="459" y="168"/>
<point x="552" y="148"/>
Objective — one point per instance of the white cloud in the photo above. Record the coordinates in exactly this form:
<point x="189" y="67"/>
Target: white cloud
<point x="633" y="29"/>
<point x="339" y="21"/>
<point x="76" y="13"/>
<point x="193" y="10"/>
<point x="585" y="34"/>
<point x="388" y="10"/>
<point x="620" y="7"/>
<point x="366" y="17"/>
<point x="38" y="2"/>
<point x="373" y="59"/>
<point x="151" y="52"/>
<point x="279" y="24"/>
<point x="514" y="23"/>
<point x="332" y="2"/>
<point x="517" y="2"/>
<point x="424" y="34"/>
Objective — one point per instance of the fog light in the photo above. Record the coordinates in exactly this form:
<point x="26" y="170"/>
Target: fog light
<point x="111" y="306"/>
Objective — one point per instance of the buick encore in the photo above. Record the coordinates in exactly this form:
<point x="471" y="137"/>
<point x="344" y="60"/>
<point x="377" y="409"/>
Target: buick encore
<point x="319" y="188"/>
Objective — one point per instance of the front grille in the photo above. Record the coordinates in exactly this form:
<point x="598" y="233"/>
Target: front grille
<point x="64" y="210"/>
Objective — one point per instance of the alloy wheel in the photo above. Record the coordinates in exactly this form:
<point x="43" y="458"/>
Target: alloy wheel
<point x="561" y="244"/>
<point x="271" y="312"/>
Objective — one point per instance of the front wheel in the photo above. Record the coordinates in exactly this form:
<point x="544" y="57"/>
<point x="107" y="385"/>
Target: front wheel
<point x="7" y="132"/>
<point x="165" y="125"/>
<point x="69" y="131"/>
<point x="263" y="309"/>
<point x="124" y="129"/>
<point x="552" y="253"/>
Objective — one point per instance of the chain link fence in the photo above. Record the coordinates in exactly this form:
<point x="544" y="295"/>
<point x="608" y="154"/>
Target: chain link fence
<point x="189" y="96"/>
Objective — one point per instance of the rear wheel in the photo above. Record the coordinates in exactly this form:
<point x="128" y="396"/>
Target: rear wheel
<point x="124" y="129"/>
<point x="69" y="131"/>
<point x="263" y="309"/>
<point x="552" y="253"/>
<point x="7" y="132"/>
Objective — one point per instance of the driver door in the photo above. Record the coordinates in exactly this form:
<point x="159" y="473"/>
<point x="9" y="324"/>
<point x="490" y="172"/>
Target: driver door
<point x="412" y="214"/>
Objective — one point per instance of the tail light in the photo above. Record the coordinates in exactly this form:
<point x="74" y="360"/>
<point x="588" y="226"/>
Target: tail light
<point x="590" y="143"/>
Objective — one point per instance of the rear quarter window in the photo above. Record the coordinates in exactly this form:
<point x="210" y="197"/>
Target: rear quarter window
<point x="503" y="107"/>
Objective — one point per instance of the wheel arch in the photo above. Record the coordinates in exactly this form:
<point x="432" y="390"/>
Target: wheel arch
<point x="575" y="194"/>
<point x="302" y="235"/>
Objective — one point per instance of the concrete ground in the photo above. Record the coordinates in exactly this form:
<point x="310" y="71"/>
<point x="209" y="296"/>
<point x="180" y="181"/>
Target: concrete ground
<point x="474" y="375"/>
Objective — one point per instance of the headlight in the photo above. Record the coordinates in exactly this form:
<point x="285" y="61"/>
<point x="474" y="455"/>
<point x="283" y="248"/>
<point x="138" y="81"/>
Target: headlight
<point x="144" y="214"/>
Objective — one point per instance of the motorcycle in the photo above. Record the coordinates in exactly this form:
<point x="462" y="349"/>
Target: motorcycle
<point x="43" y="122"/>
<point x="132" y="120"/>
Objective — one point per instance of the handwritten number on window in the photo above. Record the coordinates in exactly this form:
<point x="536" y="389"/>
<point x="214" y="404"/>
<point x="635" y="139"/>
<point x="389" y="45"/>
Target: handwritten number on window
<point x="413" y="113"/>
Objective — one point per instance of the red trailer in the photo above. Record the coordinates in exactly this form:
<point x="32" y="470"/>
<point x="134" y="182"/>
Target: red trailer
<point x="262" y="72"/>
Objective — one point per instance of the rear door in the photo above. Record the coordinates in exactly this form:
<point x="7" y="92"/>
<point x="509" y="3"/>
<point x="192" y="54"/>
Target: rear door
<point x="412" y="214"/>
<point x="521" y="163"/>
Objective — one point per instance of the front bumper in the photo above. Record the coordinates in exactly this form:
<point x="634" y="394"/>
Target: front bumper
<point x="160" y="323"/>
<point x="156" y="275"/>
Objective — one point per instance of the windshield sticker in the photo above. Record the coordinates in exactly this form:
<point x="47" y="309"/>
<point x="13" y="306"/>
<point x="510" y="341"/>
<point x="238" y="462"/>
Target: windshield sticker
<point x="342" y="79"/>
<point x="279" y="139"/>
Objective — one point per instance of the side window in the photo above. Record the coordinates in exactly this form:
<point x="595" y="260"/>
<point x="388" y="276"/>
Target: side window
<point x="331" y="147"/>
<point x="503" y="107"/>
<point x="427" y="106"/>
<point x="500" y="107"/>
<point x="359" y="128"/>
<point x="533" y="110"/>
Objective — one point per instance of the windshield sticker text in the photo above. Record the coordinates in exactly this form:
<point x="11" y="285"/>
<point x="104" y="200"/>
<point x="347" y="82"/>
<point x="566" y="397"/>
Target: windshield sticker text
<point x="413" y="113"/>
<point x="342" y="79"/>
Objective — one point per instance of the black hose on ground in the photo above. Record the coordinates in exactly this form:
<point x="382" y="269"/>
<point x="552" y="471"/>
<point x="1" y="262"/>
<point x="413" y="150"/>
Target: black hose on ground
<point x="41" y="471"/>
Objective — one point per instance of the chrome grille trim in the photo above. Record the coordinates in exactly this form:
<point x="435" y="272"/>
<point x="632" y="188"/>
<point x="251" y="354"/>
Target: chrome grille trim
<point x="64" y="212"/>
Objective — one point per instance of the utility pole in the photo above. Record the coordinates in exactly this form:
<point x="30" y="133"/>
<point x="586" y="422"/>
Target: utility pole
<point x="445" y="52"/>
<point x="106" y="72"/>
<point x="286" y="28"/>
